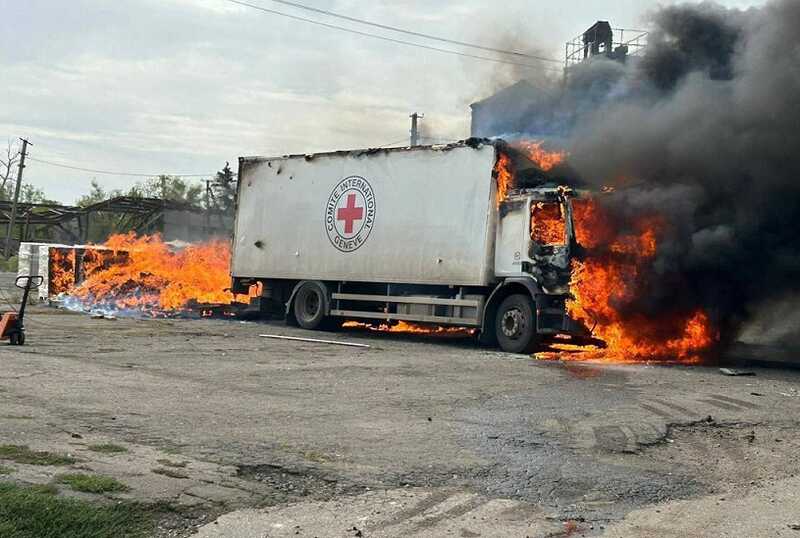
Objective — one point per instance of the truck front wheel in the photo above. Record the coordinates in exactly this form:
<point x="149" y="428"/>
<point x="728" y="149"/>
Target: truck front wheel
<point x="309" y="306"/>
<point x="515" y="325"/>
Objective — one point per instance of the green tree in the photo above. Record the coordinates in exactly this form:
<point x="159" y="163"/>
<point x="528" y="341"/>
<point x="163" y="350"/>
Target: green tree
<point x="31" y="195"/>
<point x="223" y="190"/>
<point x="105" y="223"/>
<point x="96" y="195"/>
<point x="172" y="188"/>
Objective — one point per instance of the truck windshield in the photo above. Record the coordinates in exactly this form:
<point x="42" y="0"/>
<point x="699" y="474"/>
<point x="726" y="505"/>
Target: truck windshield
<point x="548" y="223"/>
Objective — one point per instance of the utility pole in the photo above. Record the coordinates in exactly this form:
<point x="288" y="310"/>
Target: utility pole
<point x="12" y="220"/>
<point x="208" y="204"/>
<point x="415" y="117"/>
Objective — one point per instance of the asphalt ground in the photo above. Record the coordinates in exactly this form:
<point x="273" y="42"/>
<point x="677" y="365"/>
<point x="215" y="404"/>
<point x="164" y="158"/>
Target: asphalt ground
<point x="412" y="436"/>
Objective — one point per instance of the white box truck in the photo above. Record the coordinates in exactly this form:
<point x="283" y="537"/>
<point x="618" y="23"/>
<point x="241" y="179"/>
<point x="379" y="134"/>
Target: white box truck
<point x="414" y="234"/>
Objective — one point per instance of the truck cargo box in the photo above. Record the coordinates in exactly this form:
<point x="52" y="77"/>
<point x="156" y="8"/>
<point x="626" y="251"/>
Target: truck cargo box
<point x="422" y="215"/>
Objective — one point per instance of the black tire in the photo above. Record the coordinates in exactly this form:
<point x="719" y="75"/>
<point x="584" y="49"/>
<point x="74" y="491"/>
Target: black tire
<point x="309" y="306"/>
<point x="21" y="339"/>
<point x="14" y="339"/>
<point x="515" y="325"/>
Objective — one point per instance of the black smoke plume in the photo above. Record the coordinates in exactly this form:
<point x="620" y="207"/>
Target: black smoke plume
<point x="704" y="130"/>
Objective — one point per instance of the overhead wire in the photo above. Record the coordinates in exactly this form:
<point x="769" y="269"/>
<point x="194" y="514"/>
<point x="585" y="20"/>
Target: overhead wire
<point x="111" y="173"/>
<point x="416" y="34"/>
<point x="390" y="39"/>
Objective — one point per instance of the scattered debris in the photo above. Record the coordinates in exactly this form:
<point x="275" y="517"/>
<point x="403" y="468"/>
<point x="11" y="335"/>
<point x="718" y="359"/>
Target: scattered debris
<point x="736" y="373"/>
<point x="313" y="340"/>
<point x="570" y="527"/>
<point x="170" y="473"/>
<point x="794" y="526"/>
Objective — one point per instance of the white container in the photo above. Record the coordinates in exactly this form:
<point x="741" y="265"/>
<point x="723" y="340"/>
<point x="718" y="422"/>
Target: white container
<point x="423" y="215"/>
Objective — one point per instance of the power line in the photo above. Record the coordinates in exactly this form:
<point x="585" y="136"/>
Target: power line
<point x="390" y="39"/>
<point x="417" y="34"/>
<point x="107" y="172"/>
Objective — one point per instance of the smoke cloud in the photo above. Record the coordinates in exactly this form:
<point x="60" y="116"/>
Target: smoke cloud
<point x="702" y="130"/>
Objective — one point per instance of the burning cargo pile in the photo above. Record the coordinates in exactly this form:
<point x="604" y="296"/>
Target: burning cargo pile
<point x="136" y="276"/>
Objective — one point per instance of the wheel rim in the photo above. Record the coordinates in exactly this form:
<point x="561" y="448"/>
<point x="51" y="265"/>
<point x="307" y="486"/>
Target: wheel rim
<point x="311" y="304"/>
<point x="513" y="323"/>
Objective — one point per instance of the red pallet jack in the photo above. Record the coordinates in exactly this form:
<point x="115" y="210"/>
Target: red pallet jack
<point x="11" y="324"/>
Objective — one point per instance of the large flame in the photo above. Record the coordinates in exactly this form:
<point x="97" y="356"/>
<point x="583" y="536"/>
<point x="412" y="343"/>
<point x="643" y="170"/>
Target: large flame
<point x="613" y="274"/>
<point x="150" y="277"/>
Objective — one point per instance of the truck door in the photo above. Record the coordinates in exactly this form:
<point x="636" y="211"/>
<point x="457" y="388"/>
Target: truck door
<point x="551" y="236"/>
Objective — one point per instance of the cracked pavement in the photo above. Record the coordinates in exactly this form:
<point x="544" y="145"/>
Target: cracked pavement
<point x="413" y="436"/>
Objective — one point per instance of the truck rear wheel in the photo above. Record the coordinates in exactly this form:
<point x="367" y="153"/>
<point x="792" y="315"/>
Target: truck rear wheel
<point x="515" y="325"/>
<point x="309" y="306"/>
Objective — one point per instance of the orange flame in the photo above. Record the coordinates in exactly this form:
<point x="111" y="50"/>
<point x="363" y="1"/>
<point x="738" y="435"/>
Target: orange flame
<point x="546" y="160"/>
<point x="404" y="327"/>
<point x="613" y="276"/>
<point x="548" y="226"/>
<point x="504" y="176"/>
<point x="533" y="150"/>
<point x="145" y="274"/>
<point x="61" y="270"/>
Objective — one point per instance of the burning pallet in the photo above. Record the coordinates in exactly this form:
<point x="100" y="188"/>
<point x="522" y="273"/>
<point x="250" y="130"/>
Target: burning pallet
<point x="137" y="276"/>
<point x="62" y="266"/>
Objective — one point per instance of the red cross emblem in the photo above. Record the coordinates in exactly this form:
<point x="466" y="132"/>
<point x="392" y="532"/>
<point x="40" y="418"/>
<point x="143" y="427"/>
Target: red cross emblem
<point x="350" y="213"/>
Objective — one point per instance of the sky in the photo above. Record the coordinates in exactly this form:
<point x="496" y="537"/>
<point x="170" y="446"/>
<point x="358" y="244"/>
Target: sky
<point x="182" y="86"/>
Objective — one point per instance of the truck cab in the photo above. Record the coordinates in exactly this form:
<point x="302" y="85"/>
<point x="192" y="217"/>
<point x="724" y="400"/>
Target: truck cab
<point x="535" y="240"/>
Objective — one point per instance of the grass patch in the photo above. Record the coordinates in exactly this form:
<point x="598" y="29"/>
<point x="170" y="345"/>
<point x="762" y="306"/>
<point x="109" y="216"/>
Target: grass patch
<point x="6" y="470"/>
<point x="172" y="473"/>
<point x="28" y="512"/>
<point x="44" y="489"/>
<point x="23" y="454"/>
<point x="91" y="483"/>
<point x="170" y="463"/>
<point x="108" y="448"/>
<point x="17" y="417"/>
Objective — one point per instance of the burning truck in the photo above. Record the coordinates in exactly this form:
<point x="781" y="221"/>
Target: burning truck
<point x="440" y="235"/>
<point x="478" y="237"/>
